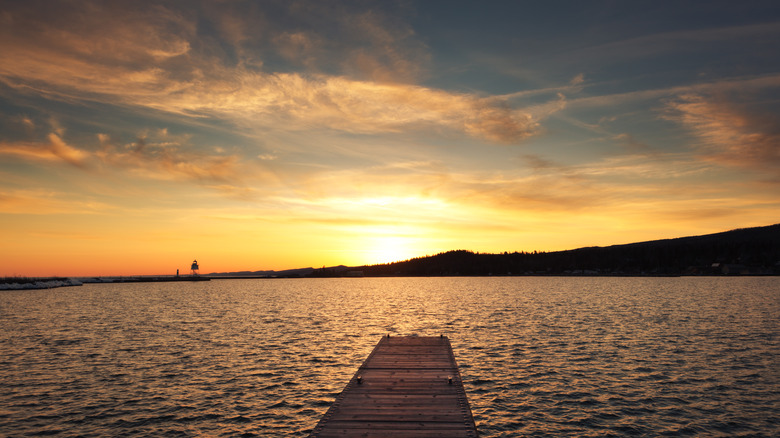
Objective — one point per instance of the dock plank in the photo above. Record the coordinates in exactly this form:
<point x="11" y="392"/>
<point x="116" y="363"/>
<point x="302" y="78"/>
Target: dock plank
<point x="407" y="387"/>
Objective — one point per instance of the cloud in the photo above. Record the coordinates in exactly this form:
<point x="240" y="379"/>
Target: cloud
<point x="731" y="132"/>
<point x="44" y="202"/>
<point x="299" y="47"/>
<point x="678" y="41"/>
<point x="749" y="84"/>
<point x="390" y="53"/>
<point x="611" y="186"/>
<point x="155" y="155"/>
<point x="110" y="32"/>
<point x="633" y="145"/>
<point x="158" y="58"/>
<point x="538" y="163"/>
<point x="160" y="155"/>
<point x="28" y="123"/>
<point x="54" y="150"/>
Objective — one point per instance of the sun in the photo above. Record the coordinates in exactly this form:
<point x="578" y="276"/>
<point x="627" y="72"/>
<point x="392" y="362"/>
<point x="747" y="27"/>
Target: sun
<point x="388" y="249"/>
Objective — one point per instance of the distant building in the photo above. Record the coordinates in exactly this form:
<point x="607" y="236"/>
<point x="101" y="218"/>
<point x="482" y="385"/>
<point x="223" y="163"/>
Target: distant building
<point x="195" y="268"/>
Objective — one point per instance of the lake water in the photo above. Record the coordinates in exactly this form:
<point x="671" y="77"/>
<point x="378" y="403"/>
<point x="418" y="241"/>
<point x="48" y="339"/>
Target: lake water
<point x="539" y="356"/>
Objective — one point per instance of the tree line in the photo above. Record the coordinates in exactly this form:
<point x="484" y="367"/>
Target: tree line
<point x="748" y="251"/>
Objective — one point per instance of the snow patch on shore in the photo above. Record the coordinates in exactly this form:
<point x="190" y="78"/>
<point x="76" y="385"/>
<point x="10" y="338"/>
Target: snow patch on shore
<point x="41" y="284"/>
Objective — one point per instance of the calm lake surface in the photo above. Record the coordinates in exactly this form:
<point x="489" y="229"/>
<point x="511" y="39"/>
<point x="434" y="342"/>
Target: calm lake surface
<point x="539" y="356"/>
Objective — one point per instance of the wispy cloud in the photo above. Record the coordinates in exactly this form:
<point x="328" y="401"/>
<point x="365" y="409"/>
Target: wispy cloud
<point x="160" y="155"/>
<point x="295" y="102"/>
<point x="55" y="149"/>
<point x="158" y="61"/>
<point x="729" y="132"/>
<point x="155" y="155"/>
<point x="45" y="202"/>
<point x="677" y="41"/>
<point x="746" y="84"/>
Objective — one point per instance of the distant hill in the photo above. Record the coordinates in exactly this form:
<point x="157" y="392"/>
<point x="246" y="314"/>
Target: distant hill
<point x="288" y="273"/>
<point x="748" y="251"/>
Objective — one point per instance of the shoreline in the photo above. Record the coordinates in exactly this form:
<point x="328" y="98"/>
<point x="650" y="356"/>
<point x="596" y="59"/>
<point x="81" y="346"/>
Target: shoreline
<point x="23" y="283"/>
<point x="34" y="283"/>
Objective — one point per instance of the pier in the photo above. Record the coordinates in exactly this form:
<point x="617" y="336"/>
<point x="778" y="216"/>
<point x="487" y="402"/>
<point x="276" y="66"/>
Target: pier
<point x="407" y="387"/>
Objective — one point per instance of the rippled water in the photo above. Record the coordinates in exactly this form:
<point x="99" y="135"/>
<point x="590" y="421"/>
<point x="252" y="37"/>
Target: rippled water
<point x="539" y="356"/>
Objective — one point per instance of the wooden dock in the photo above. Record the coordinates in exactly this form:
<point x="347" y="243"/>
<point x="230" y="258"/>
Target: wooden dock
<point x="407" y="387"/>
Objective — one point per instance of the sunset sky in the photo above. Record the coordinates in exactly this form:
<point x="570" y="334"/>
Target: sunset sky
<point x="136" y="136"/>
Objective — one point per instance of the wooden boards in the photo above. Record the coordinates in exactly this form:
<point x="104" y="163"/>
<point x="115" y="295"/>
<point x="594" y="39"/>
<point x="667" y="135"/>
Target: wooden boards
<point x="407" y="387"/>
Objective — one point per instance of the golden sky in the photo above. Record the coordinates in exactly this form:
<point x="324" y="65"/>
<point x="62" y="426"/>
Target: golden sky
<point x="137" y="136"/>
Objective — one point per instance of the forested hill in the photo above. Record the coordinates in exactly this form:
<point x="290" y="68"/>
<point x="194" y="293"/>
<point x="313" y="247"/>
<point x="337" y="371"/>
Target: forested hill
<point x="748" y="251"/>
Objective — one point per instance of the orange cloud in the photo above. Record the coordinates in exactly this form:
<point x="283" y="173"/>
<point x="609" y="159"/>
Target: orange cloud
<point x="156" y="155"/>
<point x="45" y="202"/>
<point x="55" y="150"/>
<point x="391" y="54"/>
<point x="160" y="155"/>
<point x="729" y="133"/>
<point x="147" y="59"/>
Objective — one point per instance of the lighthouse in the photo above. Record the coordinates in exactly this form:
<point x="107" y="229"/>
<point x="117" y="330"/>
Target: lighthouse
<point x="195" y="268"/>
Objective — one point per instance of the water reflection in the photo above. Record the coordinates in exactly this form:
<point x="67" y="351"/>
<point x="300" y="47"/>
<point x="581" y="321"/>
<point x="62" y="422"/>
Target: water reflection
<point x="578" y="356"/>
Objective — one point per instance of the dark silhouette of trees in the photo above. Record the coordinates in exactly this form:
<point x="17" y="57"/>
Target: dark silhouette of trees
<point x="753" y="251"/>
